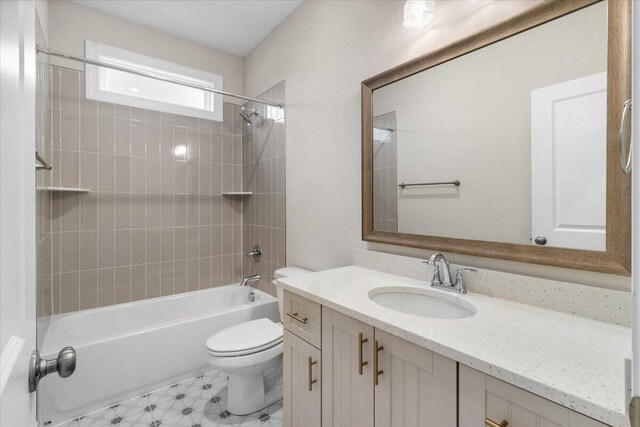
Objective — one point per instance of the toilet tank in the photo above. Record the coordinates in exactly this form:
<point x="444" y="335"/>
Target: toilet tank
<point x="282" y="273"/>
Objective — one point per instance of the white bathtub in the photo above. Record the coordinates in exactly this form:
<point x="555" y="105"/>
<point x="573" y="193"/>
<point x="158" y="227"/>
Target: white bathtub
<point x="128" y="349"/>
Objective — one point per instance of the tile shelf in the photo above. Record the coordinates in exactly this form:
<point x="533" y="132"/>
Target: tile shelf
<point x="65" y="189"/>
<point x="237" y="193"/>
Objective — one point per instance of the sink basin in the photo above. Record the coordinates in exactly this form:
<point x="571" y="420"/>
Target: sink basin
<point x="425" y="303"/>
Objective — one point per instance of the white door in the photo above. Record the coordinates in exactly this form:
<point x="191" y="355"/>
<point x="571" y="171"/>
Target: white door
<point x="17" y="210"/>
<point x="568" y="163"/>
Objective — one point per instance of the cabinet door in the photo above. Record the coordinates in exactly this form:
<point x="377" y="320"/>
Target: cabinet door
<point x="347" y="380"/>
<point x="301" y="383"/>
<point x="483" y="398"/>
<point x="416" y="387"/>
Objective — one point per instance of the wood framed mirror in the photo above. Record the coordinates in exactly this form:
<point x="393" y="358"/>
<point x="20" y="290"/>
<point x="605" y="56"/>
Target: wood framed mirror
<point x="506" y="144"/>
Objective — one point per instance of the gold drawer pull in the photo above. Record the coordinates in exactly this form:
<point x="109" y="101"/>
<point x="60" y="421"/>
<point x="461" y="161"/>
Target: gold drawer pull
<point x="361" y="363"/>
<point x="376" y="372"/>
<point x="491" y="423"/>
<point x="311" y="380"/>
<point x="295" y="317"/>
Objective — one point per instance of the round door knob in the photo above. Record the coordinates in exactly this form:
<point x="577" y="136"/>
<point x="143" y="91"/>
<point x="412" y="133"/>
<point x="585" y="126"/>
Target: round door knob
<point x="66" y="362"/>
<point x="541" y="240"/>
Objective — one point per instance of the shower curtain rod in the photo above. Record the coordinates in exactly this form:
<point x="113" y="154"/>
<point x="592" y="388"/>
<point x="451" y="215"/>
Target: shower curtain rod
<point x="152" y="76"/>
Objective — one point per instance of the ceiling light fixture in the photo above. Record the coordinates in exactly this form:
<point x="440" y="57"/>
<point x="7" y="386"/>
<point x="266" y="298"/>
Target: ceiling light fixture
<point x="419" y="13"/>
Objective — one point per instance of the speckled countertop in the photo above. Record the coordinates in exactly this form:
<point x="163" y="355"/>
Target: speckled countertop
<point x="576" y="362"/>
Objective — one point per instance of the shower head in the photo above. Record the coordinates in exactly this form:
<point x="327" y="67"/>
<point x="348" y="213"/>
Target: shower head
<point x="246" y="116"/>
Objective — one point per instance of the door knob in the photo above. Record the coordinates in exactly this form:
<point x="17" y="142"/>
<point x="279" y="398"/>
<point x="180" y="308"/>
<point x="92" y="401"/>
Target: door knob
<point x="64" y="365"/>
<point x="540" y="240"/>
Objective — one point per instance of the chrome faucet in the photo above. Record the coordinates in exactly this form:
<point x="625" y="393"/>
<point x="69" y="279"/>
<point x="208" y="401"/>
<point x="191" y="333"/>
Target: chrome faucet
<point x="442" y="274"/>
<point x="249" y="279"/>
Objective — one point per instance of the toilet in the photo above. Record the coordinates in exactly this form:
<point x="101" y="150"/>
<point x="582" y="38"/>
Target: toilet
<point x="250" y="353"/>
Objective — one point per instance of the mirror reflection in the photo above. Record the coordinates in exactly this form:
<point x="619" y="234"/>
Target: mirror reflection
<point x="504" y="144"/>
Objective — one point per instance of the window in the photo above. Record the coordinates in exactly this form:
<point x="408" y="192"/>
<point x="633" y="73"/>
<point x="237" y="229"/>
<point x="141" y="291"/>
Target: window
<point x="120" y="87"/>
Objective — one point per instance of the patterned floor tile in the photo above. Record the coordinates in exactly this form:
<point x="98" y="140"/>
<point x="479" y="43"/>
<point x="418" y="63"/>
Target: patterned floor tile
<point x="196" y="402"/>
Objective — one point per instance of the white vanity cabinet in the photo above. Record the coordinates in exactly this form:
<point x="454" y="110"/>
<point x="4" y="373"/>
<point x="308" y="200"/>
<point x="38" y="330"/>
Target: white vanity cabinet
<point x="342" y="372"/>
<point x="485" y="400"/>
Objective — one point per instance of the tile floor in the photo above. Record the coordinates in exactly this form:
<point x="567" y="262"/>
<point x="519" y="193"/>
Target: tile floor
<point x="197" y="402"/>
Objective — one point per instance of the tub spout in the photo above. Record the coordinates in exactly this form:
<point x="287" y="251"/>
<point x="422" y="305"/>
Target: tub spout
<point x="249" y="279"/>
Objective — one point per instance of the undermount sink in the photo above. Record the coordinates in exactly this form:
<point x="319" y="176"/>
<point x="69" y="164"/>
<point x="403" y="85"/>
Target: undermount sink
<point x="425" y="303"/>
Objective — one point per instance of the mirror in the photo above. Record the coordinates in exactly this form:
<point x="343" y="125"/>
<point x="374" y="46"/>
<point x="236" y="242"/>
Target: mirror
<point x="505" y="143"/>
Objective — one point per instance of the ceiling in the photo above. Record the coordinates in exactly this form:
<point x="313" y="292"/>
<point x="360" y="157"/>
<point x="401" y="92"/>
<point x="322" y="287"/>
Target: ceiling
<point x="235" y="27"/>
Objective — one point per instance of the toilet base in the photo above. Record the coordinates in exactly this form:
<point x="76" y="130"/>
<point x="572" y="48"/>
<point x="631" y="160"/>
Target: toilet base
<point x="255" y="391"/>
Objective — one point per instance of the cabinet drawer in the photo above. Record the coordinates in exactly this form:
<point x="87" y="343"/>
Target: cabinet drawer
<point x="303" y="318"/>
<point x="483" y="397"/>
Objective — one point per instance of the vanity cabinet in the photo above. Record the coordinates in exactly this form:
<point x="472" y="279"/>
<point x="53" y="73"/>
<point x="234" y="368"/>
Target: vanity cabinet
<point x="302" y="387"/>
<point x="415" y="386"/>
<point x="372" y="378"/>
<point x="347" y="377"/>
<point x="342" y="372"/>
<point x="485" y="399"/>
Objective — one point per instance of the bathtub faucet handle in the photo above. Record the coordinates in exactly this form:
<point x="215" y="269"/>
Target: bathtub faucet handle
<point x="256" y="253"/>
<point x="248" y="279"/>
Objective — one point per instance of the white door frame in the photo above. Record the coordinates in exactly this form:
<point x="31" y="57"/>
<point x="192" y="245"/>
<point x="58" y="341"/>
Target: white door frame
<point x="17" y="210"/>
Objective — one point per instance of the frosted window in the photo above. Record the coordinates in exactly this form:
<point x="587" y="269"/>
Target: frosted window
<point x="108" y="85"/>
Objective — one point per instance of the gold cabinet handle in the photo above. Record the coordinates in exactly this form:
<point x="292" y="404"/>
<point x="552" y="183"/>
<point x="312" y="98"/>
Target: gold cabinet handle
<point x="376" y="372"/>
<point x="294" y="316"/>
<point x="361" y="363"/>
<point x="491" y="423"/>
<point x="311" y="380"/>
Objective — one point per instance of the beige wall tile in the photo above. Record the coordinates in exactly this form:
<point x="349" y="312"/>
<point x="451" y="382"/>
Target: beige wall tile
<point x="88" y="250"/>
<point x="69" y="130"/>
<point x="106" y="248"/>
<point x="69" y="292"/>
<point x="88" y="132"/>
<point x="88" y="289"/>
<point x="69" y="251"/>
<point x="153" y="280"/>
<point x="106" y="133"/>
<point x="155" y="222"/>
<point x="123" y="174"/>
<point x="106" y="287"/>
<point x="138" y="282"/>
<point x="122" y="290"/>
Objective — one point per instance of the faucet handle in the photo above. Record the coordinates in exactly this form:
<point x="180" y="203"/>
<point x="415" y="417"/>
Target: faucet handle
<point x="459" y="285"/>
<point x="437" y="279"/>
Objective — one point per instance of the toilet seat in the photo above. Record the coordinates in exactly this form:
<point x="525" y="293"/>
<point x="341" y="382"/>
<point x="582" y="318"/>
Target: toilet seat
<point x="245" y="338"/>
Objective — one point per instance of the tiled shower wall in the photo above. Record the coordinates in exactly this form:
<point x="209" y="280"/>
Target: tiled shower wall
<point x="264" y="175"/>
<point x="155" y="222"/>
<point x="385" y="185"/>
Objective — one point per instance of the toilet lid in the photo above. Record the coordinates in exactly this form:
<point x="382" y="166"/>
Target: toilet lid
<point x="245" y="338"/>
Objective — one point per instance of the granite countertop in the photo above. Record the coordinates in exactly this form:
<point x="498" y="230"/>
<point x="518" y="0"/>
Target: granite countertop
<point x="574" y="361"/>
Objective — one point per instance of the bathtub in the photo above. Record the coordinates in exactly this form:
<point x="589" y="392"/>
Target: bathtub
<point x="129" y="349"/>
